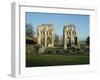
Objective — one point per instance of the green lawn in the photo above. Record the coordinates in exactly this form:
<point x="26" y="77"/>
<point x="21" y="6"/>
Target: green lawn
<point x="53" y="60"/>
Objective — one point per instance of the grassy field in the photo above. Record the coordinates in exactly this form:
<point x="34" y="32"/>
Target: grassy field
<point x="53" y="60"/>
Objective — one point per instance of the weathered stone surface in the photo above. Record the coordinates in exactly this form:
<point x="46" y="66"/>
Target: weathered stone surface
<point x="45" y="35"/>
<point x="69" y="36"/>
<point x="41" y="49"/>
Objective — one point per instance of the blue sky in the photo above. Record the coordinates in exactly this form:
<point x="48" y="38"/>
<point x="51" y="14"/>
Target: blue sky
<point x="81" y="22"/>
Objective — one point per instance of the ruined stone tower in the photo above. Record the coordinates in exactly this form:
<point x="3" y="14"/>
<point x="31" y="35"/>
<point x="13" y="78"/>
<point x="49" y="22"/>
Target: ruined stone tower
<point x="69" y="36"/>
<point x="45" y="35"/>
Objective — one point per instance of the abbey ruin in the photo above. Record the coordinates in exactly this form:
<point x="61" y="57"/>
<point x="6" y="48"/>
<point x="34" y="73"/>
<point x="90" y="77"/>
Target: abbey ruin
<point x="45" y="35"/>
<point x="69" y="35"/>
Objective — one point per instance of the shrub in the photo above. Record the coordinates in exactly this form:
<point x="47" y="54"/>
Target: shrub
<point x="29" y="49"/>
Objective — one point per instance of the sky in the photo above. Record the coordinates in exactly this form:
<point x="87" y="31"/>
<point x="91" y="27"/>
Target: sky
<point x="81" y="22"/>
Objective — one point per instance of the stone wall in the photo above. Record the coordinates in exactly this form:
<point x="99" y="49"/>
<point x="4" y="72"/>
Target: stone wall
<point x="69" y="36"/>
<point x="45" y="35"/>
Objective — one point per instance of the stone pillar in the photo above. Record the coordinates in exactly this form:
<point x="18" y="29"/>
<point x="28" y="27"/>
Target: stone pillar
<point x="71" y="36"/>
<point x="65" y="39"/>
<point x="45" y="37"/>
<point x="39" y="40"/>
<point x="52" y="39"/>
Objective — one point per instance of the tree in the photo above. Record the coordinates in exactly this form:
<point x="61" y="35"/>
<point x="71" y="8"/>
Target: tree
<point x="56" y="39"/>
<point x="88" y="40"/>
<point x="61" y="41"/>
<point x="29" y="31"/>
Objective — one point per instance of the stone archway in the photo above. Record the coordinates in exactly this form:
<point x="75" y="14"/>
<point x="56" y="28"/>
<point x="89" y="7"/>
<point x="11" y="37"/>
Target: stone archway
<point x="68" y="41"/>
<point x="43" y="41"/>
<point x="49" y="41"/>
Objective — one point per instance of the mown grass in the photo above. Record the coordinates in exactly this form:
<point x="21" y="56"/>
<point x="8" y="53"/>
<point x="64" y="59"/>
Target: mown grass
<point x="53" y="60"/>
